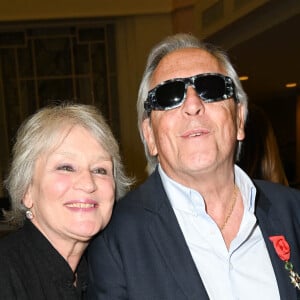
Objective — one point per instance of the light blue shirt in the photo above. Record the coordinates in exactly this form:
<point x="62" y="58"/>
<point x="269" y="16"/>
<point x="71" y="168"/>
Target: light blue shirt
<point x="244" y="271"/>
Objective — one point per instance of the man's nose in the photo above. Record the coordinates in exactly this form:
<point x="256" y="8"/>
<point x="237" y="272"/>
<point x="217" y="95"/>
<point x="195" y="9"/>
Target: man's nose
<point x="193" y="104"/>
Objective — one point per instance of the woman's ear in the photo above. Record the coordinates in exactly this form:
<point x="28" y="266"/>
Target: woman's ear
<point x="149" y="136"/>
<point x="27" y="199"/>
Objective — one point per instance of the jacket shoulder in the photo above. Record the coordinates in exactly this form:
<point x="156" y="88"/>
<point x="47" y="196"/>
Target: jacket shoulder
<point x="269" y="187"/>
<point x="283" y="197"/>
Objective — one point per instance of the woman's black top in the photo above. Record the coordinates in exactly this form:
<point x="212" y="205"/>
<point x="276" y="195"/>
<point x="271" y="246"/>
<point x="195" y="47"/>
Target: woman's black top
<point x="30" y="268"/>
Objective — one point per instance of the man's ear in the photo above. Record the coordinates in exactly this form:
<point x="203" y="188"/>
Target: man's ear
<point x="241" y="115"/>
<point x="149" y="136"/>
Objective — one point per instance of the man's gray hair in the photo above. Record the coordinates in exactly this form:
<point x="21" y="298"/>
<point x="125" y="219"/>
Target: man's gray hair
<point x="166" y="46"/>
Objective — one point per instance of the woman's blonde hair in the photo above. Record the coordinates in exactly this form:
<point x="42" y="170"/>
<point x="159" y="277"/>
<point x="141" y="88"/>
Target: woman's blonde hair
<point x="45" y="130"/>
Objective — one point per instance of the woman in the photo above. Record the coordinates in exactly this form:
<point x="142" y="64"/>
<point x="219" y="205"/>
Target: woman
<point x="65" y="175"/>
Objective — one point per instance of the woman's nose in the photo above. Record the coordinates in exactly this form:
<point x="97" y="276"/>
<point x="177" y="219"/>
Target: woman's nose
<point x="85" y="181"/>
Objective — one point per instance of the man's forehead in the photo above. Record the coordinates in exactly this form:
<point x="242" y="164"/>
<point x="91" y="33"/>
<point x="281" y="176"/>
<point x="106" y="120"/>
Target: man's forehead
<point x="185" y="62"/>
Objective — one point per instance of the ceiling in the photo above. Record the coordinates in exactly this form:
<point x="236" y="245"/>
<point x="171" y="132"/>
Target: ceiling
<point x="266" y="47"/>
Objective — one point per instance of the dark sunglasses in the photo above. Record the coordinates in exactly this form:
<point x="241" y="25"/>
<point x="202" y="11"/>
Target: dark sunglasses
<point x="210" y="87"/>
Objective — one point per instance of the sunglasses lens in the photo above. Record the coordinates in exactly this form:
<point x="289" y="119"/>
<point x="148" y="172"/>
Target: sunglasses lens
<point x="170" y="94"/>
<point x="210" y="87"/>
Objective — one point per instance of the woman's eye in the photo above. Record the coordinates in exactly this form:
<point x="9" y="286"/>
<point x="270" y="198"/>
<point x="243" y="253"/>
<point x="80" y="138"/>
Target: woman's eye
<point x="101" y="171"/>
<point x="66" y="168"/>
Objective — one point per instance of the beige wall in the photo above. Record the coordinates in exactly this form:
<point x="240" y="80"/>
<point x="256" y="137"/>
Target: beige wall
<point x="13" y="10"/>
<point x="135" y="37"/>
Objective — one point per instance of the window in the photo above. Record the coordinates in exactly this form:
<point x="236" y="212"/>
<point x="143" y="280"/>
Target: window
<point x="40" y="65"/>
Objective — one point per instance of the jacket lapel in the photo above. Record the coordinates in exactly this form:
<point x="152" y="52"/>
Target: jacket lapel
<point x="169" y="240"/>
<point x="271" y="224"/>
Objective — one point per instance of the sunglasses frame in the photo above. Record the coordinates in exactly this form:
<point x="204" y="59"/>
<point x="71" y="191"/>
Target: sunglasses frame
<point x="152" y="104"/>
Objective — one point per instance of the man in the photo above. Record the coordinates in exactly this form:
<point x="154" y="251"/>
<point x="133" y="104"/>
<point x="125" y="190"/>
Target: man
<point x="199" y="227"/>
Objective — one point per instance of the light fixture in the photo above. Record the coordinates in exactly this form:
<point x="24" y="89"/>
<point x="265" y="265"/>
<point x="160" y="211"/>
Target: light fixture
<point x="291" y="85"/>
<point x="243" y="78"/>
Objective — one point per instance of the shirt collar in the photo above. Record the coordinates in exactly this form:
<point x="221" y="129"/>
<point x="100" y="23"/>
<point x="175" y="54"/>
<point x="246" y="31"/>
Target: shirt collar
<point x="189" y="200"/>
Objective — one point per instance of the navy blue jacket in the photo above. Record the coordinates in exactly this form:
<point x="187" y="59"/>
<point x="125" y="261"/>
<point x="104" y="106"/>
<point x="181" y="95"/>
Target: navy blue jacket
<point x="142" y="254"/>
